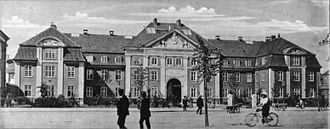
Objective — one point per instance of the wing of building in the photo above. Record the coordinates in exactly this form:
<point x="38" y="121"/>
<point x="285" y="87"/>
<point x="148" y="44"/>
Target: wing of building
<point x="3" y="48"/>
<point x="88" y="65"/>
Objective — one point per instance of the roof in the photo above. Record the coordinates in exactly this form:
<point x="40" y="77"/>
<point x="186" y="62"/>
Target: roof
<point x="100" y="43"/>
<point x="3" y="36"/>
<point x="26" y="53"/>
<point x="73" y="54"/>
<point x="312" y="62"/>
<point x="50" y="32"/>
<point x="237" y="48"/>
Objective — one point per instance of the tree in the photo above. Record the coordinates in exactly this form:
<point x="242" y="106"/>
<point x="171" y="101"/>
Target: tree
<point x="208" y="65"/>
<point x="233" y="85"/>
<point x="43" y="90"/>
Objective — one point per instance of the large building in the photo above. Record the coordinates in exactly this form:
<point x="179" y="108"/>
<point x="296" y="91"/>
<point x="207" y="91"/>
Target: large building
<point x="3" y="47"/>
<point x="89" y="65"/>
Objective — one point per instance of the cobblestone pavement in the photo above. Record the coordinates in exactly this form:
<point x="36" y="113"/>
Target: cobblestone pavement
<point x="162" y="118"/>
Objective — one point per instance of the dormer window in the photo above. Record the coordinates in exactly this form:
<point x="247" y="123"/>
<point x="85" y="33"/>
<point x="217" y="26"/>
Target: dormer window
<point x="296" y="61"/>
<point x="118" y="60"/>
<point x="151" y="30"/>
<point x="50" y="54"/>
<point x="104" y="59"/>
<point x="186" y="31"/>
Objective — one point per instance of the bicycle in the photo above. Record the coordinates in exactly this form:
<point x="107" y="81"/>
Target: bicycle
<point x="251" y="119"/>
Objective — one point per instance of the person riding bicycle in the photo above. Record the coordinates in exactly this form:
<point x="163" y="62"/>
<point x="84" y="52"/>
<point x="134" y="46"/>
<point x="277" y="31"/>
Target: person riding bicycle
<point x="265" y="104"/>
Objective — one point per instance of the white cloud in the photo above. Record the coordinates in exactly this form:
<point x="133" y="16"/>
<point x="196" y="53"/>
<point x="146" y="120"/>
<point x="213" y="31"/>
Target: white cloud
<point x="239" y="18"/>
<point x="288" y="27"/>
<point x="17" y="22"/>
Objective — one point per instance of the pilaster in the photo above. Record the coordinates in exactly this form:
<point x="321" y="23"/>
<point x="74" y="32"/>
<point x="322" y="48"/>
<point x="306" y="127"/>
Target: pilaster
<point x="127" y="74"/>
<point x="184" y="90"/>
<point x="217" y="86"/>
<point x="288" y="82"/>
<point x="39" y="71"/>
<point x="162" y="76"/>
<point x="271" y="81"/>
<point x="81" y="82"/>
<point x="303" y="78"/>
<point x="60" y="71"/>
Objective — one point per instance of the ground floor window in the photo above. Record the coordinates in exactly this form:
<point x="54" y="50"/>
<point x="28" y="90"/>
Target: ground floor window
<point x="224" y="93"/>
<point x="103" y="92"/>
<point x="117" y="91"/>
<point x="27" y="90"/>
<point x="135" y="92"/>
<point x="209" y="92"/>
<point x="89" y="92"/>
<point x="193" y="92"/>
<point x="50" y="91"/>
<point x="311" y="92"/>
<point x="70" y="91"/>
<point x="153" y="91"/>
<point x="296" y="91"/>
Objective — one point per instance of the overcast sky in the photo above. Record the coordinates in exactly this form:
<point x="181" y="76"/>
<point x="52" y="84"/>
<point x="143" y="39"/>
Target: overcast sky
<point x="303" y="22"/>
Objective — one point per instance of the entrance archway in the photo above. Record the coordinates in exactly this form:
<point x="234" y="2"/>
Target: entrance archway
<point x="174" y="92"/>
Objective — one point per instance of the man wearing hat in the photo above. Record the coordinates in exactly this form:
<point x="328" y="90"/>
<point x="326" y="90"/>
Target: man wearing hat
<point x="265" y="104"/>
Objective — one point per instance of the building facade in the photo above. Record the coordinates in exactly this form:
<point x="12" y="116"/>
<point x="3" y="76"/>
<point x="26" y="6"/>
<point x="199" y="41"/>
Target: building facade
<point x="89" y="65"/>
<point x="3" y="48"/>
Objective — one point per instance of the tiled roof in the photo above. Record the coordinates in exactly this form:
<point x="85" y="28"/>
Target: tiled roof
<point x="51" y="31"/>
<point x="26" y="53"/>
<point x="100" y="43"/>
<point x="312" y="62"/>
<point x="3" y="36"/>
<point x="235" y="48"/>
<point x="73" y="54"/>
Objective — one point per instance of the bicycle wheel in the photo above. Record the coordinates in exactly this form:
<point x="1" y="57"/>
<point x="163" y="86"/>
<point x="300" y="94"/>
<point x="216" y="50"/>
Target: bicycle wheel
<point x="251" y="119"/>
<point x="237" y="110"/>
<point x="272" y="119"/>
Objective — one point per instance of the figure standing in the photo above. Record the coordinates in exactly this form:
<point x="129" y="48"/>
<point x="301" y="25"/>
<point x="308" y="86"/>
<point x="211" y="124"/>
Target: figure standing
<point x="185" y="103"/>
<point x="200" y="105"/>
<point x="122" y="109"/>
<point x="144" y="110"/>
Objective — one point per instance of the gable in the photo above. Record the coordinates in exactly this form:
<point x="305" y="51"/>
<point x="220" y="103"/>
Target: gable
<point x="49" y="41"/>
<point x="294" y="51"/>
<point x="172" y="41"/>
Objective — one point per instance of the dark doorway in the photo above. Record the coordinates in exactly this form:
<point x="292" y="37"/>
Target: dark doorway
<point x="174" y="92"/>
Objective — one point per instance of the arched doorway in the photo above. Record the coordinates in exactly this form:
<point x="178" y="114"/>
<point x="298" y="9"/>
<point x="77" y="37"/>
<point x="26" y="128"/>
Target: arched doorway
<point x="174" y="92"/>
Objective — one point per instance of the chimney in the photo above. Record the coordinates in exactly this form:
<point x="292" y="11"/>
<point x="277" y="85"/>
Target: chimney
<point x="278" y="35"/>
<point x="111" y="32"/>
<point x="178" y="23"/>
<point x="240" y="38"/>
<point x="273" y="37"/>
<point x="53" y="25"/>
<point x="267" y="38"/>
<point x="169" y="28"/>
<point x="155" y="22"/>
<point x="85" y="31"/>
<point x="217" y="37"/>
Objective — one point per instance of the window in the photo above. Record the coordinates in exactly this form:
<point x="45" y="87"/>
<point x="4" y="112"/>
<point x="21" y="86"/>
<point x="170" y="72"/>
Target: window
<point x="50" y="54"/>
<point x="104" y="59"/>
<point x="136" y="75"/>
<point x="104" y="74"/>
<point x="27" y="90"/>
<point x="296" y="91"/>
<point x="104" y="92"/>
<point x="50" y="71"/>
<point x="209" y="92"/>
<point x="186" y="31"/>
<point x="135" y="92"/>
<point x="311" y="92"/>
<point x="153" y="91"/>
<point x="90" y="74"/>
<point x="50" y="91"/>
<point x="280" y="92"/>
<point x="248" y="77"/>
<point x="311" y="76"/>
<point x="71" y="72"/>
<point x="257" y="77"/>
<point x="225" y="63"/>
<point x="70" y="91"/>
<point x="296" y="61"/>
<point x="225" y="76"/>
<point x="153" y="75"/>
<point x="280" y="76"/>
<point x="249" y="92"/>
<point x="237" y="77"/>
<point x="118" y="59"/>
<point x="89" y="92"/>
<point x="193" y="92"/>
<point x="151" y="30"/>
<point x="28" y="71"/>
<point x="118" y="75"/>
<point x="117" y="91"/>
<point x="178" y="62"/>
<point x="248" y="63"/>
<point x="154" y="61"/>
<point x="296" y="76"/>
<point x="237" y="62"/>
<point x="193" y="62"/>
<point x="169" y="61"/>
<point x="224" y="92"/>
<point x="193" y="76"/>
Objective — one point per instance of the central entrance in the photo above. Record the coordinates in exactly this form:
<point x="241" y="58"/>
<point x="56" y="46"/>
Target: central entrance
<point x="174" y="92"/>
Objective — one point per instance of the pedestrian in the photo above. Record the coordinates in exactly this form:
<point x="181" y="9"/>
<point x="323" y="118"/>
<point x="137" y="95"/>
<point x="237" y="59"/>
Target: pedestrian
<point x="265" y="106"/>
<point x="200" y="105"/>
<point x="122" y="109"/>
<point x="185" y="103"/>
<point x="144" y="110"/>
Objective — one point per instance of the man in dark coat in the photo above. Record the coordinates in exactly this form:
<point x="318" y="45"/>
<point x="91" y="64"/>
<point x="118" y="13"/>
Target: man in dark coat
<point x="185" y="103"/>
<point x="144" y="110"/>
<point x="122" y="109"/>
<point x="200" y="105"/>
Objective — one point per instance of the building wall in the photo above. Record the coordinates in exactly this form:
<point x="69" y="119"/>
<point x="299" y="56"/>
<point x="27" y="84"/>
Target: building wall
<point x="28" y="80"/>
<point x="70" y="81"/>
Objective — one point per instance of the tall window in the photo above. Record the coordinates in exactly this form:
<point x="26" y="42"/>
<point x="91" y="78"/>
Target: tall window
<point x="237" y="62"/>
<point x="153" y="75"/>
<point x="280" y="76"/>
<point x="104" y="59"/>
<point x="296" y="91"/>
<point x="296" y="76"/>
<point x="169" y="61"/>
<point x="193" y="92"/>
<point x="178" y="61"/>
<point x="225" y="76"/>
<point x="237" y="77"/>
<point x="71" y="72"/>
<point x="90" y="74"/>
<point x="193" y="62"/>
<point x="89" y="92"/>
<point x="50" y="91"/>
<point x="135" y="92"/>
<point x="154" y="61"/>
<point x="209" y="92"/>
<point x="193" y="75"/>
<point x="281" y="92"/>
<point x="104" y="92"/>
<point x="28" y="71"/>
<point x="153" y="91"/>
<point x="50" y="71"/>
<point x="118" y="59"/>
<point x="70" y="91"/>
<point x="311" y="76"/>
<point x="311" y="92"/>
<point x="224" y="92"/>
<point x="104" y="74"/>
<point x="296" y="61"/>
<point x="136" y="75"/>
<point x="118" y="75"/>
<point x="27" y="90"/>
<point x="50" y="54"/>
<point x="248" y="77"/>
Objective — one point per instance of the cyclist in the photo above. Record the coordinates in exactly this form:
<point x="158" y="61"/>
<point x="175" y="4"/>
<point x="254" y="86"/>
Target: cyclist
<point x="265" y="106"/>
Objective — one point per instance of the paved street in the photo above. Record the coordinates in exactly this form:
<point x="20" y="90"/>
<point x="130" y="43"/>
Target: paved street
<point x="167" y="118"/>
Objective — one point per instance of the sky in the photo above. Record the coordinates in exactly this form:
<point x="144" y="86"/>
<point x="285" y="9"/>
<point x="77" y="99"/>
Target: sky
<point x="303" y="22"/>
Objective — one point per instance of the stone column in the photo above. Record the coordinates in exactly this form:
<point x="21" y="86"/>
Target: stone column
<point x="184" y="90"/>
<point x="60" y="72"/>
<point x="127" y="74"/>
<point x="81" y="83"/>
<point x="303" y="78"/>
<point x="288" y="88"/>
<point x="271" y="81"/>
<point x="217" y="86"/>
<point x="162" y="77"/>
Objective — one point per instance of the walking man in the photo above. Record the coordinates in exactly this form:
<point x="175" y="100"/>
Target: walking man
<point x="122" y="109"/>
<point x="185" y="103"/>
<point x="200" y="105"/>
<point x="144" y="110"/>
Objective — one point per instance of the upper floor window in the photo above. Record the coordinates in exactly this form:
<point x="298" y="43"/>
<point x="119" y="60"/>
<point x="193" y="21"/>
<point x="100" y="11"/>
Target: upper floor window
<point x="136" y="75"/>
<point x="169" y="61"/>
<point x="193" y="75"/>
<point x="89" y="92"/>
<point x="104" y="74"/>
<point x="186" y="31"/>
<point x="71" y="72"/>
<point x="153" y="75"/>
<point x="118" y="75"/>
<point x="178" y="61"/>
<point x="193" y="62"/>
<point x="50" y="53"/>
<point x="225" y="63"/>
<point x="237" y="77"/>
<point x="281" y="92"/>
<point x="154" y="61"/>
<point x="90" y="74"/>
<point x="248" y="77"/>
<point x="296" y="61"/>
<point x="151" y="30"/>
<point x="237" y="62"/>
<point x="280" y="76"/>
<point x="311" y="76"/>
<point x="50" y="71"/>
<point x="117" y="91"/>
<point x="225" y="76"/>
<point x="104" y="59"/>
<point x="28" y="71"/>
<point x="296" y="76"/>
<point x="138" y="61"/>
<point x="118" y="60"/>
<point x="248" y="63"/>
